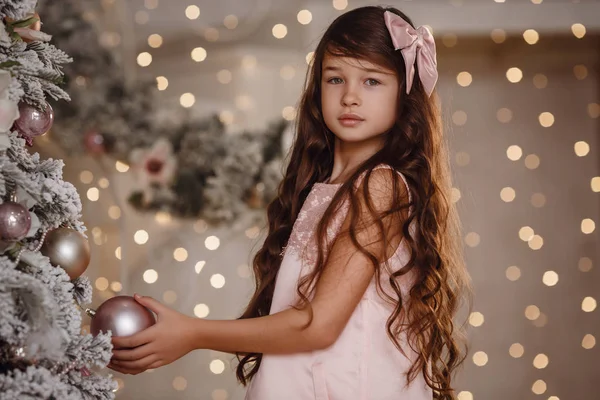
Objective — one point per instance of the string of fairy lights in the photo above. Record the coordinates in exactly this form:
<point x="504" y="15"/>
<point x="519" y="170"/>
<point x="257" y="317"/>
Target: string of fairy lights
<point x="244" y="102"/>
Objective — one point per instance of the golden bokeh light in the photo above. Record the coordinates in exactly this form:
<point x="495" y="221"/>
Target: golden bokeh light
<point x="226" y="117"/>
<point x="498" y="36"/>
<point x="179" y="383"/>
<point x="141" y="236"/>
<point x="162" y="83"/>
<point x="532" y="312"/>
<point x="582" y="149"/>
<point x="516" y="350"/>
<point x="304" y="17"/>
<point x="199" y="54"/>
<point x="217" y="367"/>
<point x="532" y="161"/>
<point x="588" y="304"/>
<point x="531" y="36"/>
<point x="201" y="310"/>
<point x="459" y="118"/>
<point x="578" y="30"/>
<point x="101" y="283"/>
<point x="224" y="76"/>
<point x="150" y="276"/>
<point x="464" y="79"/>
<point x="199" y="265"/>
<point x="187" y="100"/>
<point x="588" y="342"/>
<point x="539" y="387"/>
<point x="180" y="254"/>
<point x="280" y="31"/>
<point x="93" y="194"/>
<point x="550" y="278"/>
<point x="513" y="273"/>
<point x="588" y="226"/>
<point x="289" y="113"/>
<point x="144" y="59"/>
<point x="526" y="233"/>
<point x="536" y="242"/>
<point x="504" y="115"/>
<point x="480" y="358"/>
<point x="169" y="296"/>
<point x="508" y="194"/>
<point x="450" y="40"/>
<point x="472" y="239"/>
<point x="231" y="21"/>
<point x="340" y="4"/>
<point x="217" y="281"/>
<point x="540" y="81"/>
<point x="514" y="75"/>
<point x="514" y="153"/>
<point x="192" y="12"/>
<point x="585" y="264"/>
<point x="580" y="72"/>
<point x="121" y="166"/>
<point x="212" y="243"/>
<point x="155" y="40"/>
<point x="538" y="200"/>
<point x="476" y="319"/>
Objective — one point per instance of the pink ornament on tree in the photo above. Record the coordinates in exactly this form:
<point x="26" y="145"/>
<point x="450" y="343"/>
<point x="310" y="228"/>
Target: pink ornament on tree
<point x="121" y="315"/>
<point x="33" y="122"/>
<point x="94" y="142"/>
<point x="15" y="221"/>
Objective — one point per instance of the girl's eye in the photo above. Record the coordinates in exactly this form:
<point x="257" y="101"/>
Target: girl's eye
<point x="334" y="80"/>
<point x="372" y="82"/>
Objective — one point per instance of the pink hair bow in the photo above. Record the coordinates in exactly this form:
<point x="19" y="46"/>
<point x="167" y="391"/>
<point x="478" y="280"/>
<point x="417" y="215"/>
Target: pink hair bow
<point x="416" y="45"/>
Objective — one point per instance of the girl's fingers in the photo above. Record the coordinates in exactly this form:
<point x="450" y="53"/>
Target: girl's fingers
<point x="123" y="370"/>
<point x="156" y="364"/>
<point x="139" y="339"/>
<point x="133" y="354"/>
<point x="141" y="364"/>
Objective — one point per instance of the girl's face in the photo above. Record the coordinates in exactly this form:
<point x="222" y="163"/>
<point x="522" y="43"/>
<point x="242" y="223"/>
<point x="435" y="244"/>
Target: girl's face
<point x="358" y="98"/>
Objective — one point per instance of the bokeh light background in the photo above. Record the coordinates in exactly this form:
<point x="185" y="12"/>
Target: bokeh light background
<point x="519" y="82"/>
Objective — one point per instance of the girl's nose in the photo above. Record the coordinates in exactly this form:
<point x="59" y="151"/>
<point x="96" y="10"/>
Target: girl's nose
<point x="350" y="97"/>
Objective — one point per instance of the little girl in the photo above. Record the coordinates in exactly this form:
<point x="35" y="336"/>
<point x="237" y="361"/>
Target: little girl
<point x="361" y="275"/>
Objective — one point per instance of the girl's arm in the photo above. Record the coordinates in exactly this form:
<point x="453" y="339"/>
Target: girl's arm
<point x="337" y="293"/>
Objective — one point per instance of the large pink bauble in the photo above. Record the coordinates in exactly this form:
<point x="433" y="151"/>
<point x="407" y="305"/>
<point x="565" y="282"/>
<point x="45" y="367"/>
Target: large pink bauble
<point x="15" y="221"/>
<point x="68" y="249"/>
<point x="33" y="122"/>
<point x="121" y="315"/>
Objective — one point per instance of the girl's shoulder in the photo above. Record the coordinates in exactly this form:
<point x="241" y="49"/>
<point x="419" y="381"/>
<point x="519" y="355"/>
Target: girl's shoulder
<point x="385" y="178"/>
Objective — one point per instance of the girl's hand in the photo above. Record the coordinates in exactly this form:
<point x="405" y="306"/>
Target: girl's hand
<point x="161" y="344"/>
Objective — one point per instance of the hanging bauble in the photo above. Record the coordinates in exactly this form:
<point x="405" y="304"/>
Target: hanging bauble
<point x="68" y="249"/>
<point x="121" y="315"/>
<point x="94" y="142"/>
<point x="33" y="122"/>
<point x="15" y="221"/>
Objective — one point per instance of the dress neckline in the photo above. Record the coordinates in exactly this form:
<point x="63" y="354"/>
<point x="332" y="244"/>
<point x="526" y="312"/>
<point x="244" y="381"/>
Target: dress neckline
<point x="326" y="183"/>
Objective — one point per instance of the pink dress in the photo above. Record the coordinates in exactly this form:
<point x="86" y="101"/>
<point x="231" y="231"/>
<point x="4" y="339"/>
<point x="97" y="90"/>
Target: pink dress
<point x="363" y="364"/>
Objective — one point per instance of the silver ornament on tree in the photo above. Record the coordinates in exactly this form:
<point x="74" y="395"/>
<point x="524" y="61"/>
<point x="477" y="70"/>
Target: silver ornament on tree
<point x="15" y="221"/>
<point x="68" y="249"/>
<point x="33" y="122"/>
<point x="121" y="315"/>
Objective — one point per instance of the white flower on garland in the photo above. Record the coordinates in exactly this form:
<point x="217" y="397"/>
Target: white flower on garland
<point x="154" y="167"/>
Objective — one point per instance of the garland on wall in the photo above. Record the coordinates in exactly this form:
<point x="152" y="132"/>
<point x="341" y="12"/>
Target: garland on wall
<point x="186" y="166"/>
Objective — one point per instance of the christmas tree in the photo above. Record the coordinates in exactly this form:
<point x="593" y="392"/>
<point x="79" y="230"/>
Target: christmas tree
<point x="43" y="248"/>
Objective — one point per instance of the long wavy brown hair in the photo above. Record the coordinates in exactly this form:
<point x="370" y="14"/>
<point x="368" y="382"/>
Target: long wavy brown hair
<point x="415" y="146"/>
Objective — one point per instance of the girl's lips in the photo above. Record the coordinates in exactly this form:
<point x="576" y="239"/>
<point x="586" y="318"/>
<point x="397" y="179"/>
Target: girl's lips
<point x="350" y="122"/>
